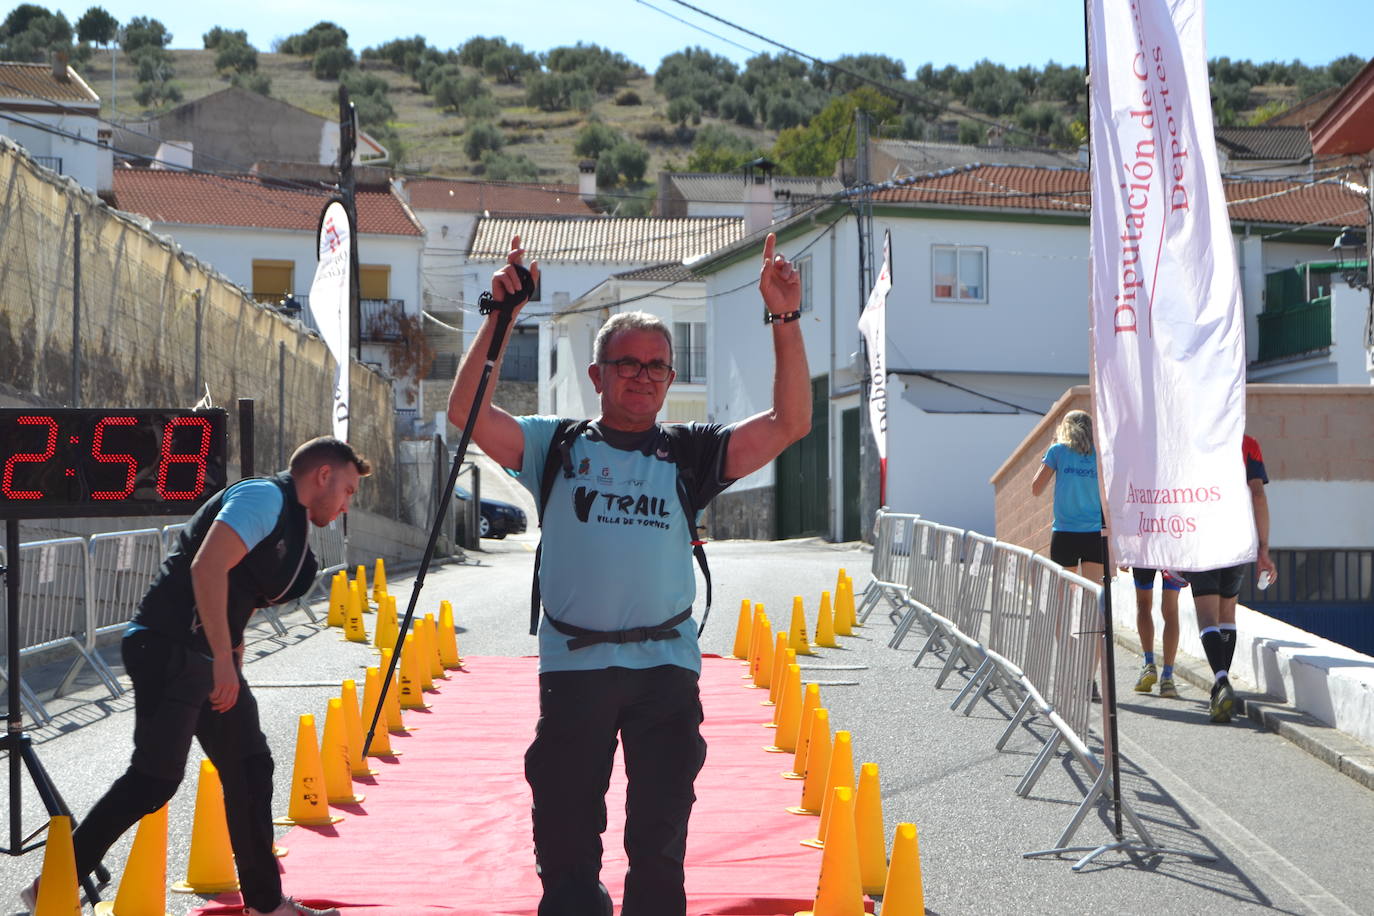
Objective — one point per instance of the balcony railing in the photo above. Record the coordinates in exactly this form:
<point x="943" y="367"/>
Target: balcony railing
<point x="381" y="319"/>
<point x="50" y="162"/>
<point x="1294" y="331"/>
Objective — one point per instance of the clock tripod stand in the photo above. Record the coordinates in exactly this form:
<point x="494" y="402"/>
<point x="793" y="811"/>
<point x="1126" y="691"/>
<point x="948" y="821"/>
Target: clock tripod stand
<point x="16" y="743"/>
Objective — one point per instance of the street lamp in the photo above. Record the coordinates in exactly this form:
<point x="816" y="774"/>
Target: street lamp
<point x="1350" y="250"/>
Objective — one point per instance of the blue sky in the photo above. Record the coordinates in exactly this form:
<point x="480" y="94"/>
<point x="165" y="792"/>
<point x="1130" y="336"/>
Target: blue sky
<point x="1011" y="32"/>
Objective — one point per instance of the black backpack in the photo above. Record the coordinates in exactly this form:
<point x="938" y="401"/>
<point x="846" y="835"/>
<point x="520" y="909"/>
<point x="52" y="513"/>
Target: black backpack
<point x="673" y="439"/>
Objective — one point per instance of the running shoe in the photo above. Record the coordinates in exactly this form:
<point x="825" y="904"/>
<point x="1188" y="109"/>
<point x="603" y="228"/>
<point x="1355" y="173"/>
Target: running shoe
<point x="289" y="906"/>
<point x="1223" y="700"/>
<point x="1148" y="675"/>
<point x="1167" y="690"/>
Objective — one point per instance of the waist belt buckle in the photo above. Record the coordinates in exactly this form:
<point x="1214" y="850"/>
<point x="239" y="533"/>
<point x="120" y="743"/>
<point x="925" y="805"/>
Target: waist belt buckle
<point x="638" y="634"/>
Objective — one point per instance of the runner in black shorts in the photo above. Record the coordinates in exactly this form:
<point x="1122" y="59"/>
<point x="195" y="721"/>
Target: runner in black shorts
<point x="1071" y="462"/>
<point x="1215" y="591"/>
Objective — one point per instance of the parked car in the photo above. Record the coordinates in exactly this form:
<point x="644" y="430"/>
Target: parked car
<point x="498" y="518"/>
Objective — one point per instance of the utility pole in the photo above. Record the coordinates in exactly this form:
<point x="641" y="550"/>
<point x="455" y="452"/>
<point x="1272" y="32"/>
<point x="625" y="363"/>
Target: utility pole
<point x="348" y="143"/>
<point x="870" y="472"/>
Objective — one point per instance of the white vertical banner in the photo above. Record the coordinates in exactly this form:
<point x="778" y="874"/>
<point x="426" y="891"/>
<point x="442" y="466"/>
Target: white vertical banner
<point x="873" y="326"/>
<point x="1167" y="324"/>
<point x="329" y="303"/>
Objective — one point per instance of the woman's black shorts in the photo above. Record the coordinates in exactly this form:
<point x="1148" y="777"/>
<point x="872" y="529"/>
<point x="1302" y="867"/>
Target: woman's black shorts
<point x="1070" y="548"/>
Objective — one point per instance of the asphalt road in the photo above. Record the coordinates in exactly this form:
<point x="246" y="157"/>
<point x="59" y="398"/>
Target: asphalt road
<point x="1291" y="835"/>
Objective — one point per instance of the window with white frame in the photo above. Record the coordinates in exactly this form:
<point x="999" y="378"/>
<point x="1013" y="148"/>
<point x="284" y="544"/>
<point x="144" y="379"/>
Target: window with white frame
<point x="959" y="273"/>
<point x="689" y="351"/>
<point x="804" y="273"/>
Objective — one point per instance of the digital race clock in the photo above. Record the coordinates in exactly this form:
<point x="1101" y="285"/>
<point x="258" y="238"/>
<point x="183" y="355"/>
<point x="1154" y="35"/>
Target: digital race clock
<point x="79" y="462"/>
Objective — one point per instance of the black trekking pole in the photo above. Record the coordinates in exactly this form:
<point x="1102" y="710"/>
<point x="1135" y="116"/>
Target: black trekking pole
<point x="486" y="305"/>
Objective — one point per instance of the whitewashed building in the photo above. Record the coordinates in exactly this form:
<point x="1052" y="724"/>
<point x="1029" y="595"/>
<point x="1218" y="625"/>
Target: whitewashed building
<point x="987" y="327"/>
<point x="55" y="116"/>
<point x="261" y="234"/>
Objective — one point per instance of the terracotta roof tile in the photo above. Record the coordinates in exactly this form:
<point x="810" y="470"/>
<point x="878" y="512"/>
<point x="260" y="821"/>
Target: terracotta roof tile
<point x="1265" y="142"/>
<point x="494" y="197"/>
<point x="606" y="238"/>
<point x="35" y="81"/>
<point x="1284" y="201"/>
<point x="168" y="196"/>
<point x="659" y="273"/>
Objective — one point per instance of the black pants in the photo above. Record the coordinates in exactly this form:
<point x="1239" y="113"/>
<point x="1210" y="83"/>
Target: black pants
<point x="171" y="705"/>
<point x="657" y="713"/>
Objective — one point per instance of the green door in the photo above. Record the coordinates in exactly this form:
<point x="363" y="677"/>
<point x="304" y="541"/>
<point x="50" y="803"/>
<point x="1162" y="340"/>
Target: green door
<point x="849" y="476"/>
<point x="802" y="490"/>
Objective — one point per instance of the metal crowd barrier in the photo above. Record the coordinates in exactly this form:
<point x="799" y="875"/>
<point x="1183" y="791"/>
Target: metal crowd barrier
<point x="74" y="590"/>
<point x="1022" y="626"/>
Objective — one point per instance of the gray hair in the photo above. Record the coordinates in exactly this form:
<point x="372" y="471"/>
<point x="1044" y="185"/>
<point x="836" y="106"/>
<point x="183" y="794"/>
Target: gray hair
<point x="628" y="321"/>
<point x="1076" y="431"/>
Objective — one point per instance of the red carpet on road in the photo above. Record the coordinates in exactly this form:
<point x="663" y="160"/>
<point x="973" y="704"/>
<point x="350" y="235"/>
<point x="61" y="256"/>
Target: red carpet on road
<point x="445" y="827"/>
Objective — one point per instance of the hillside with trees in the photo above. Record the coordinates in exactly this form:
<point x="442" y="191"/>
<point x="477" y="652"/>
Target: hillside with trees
<point x="493" y="108"/>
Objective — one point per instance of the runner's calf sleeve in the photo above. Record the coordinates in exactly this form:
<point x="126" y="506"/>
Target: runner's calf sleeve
<point x="1228" y="643"/>
<point x="1212" y="645"/>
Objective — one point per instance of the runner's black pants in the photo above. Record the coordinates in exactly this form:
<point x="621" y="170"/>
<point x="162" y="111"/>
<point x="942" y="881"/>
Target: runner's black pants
<point x="657" y="714"/>
<point x="171" y="705"/>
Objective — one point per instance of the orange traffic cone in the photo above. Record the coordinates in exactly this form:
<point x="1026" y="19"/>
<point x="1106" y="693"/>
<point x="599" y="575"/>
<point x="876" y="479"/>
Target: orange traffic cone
<point x="448" y="637"/>
<point x="839" y="891"/>
<point x="391" y="704"/>
<point x="763" y="671"/>
<point x="753" y="630"/>
<point x="210" y="868"/>
<point x="334" y="756"/>
<point x="797" y="632"/>
<point x="787" y="712"/>
<point x="825" y="624"/>
<point x="381" y="738"/>
<point x="353" y="725"/>
<point x="409" y="679"/>
<point x="354" y="630"/>
<point x="844" y="610"/>
<point x="780" y="662"/>
<point x="58" y="893"/>
<point x="903" y="894"/>
<point x="817" y="766"/>
<point x="309" y="805"/>
<point x="741" y="649"/>
<point x="841" y="773"/>
<point x="338" y="600"/>
<point x="760" y="632"/>
<point x="798" y="739"/>
<point x="143" y="888"/>
<point x="868" y="826"/>
<point x="385" y="635"/>
<point x="849" y="616"/>
<point x="379" y="581"/>
<point x="436" y="662"/>
<point x="421" y="651"/>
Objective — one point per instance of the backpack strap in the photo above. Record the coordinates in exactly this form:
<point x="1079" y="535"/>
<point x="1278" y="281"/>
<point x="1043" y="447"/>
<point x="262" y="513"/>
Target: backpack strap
<point x="685" y="471"/>
<point x="560" y="455"/>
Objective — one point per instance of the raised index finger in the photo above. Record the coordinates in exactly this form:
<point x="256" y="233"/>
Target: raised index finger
<point x="769" y="244"/>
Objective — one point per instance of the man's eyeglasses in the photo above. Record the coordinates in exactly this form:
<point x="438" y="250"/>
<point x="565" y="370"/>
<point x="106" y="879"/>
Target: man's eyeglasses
<point x="629" y="367"/>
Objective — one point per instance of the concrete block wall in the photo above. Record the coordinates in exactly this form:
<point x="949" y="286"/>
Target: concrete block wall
<point x="142" y="300"/>
<point x="1322" y="433"/>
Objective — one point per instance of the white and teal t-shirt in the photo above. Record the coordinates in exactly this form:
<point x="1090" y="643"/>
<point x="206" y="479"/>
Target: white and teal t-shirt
<point x="617" y="547"/>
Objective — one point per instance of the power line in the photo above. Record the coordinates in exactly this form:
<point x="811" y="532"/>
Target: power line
<point x="693" y="25"/>
<point x="891" y="90"/>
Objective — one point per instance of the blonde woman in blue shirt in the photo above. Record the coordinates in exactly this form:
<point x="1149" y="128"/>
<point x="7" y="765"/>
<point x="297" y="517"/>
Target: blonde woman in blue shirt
<point x="1071" y="462"/>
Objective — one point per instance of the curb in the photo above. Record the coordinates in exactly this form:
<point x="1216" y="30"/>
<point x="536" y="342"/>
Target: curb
<point x="1330" y="745"/>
